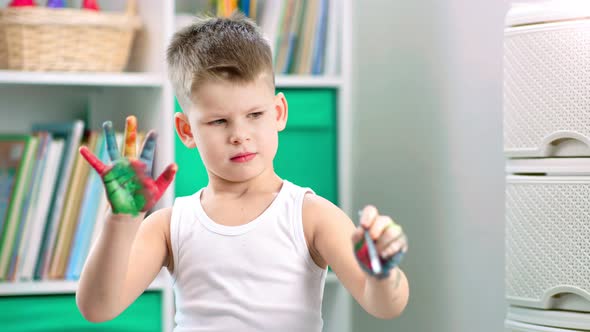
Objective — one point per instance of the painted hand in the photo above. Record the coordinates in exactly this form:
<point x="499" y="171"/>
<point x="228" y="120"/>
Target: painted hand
<point x="380" y="243"/>
<point x="128" y="182"/>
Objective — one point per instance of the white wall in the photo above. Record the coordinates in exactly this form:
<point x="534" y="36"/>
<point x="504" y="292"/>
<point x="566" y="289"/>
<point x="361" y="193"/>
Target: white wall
<point x="427" y="91"/>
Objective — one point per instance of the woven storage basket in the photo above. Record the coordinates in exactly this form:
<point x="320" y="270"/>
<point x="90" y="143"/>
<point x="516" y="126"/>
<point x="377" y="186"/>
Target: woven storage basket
<point x="50" y="39"/>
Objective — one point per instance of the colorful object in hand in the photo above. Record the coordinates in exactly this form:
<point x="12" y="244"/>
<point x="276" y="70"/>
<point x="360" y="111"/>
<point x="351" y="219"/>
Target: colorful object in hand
<point x="56" y="3"/>
<point x="90" y="4"/>
<point x="22" y="3"/>
<point x="128" y="183"/>
<point x="369" y="259"/>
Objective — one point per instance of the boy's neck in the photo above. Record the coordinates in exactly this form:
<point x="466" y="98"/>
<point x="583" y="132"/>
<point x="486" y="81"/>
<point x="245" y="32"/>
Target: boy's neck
<point x="266" y="182"/>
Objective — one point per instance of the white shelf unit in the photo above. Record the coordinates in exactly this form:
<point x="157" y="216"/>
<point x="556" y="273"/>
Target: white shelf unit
<point x="11" y="77"/>
<point x="143" y="90"/>
<point x="57" y="287"/>
<point x="29" y="97"/>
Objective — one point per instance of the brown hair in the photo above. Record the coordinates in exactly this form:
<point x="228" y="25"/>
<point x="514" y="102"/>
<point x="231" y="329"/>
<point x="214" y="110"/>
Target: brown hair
<point x="212" y="48"/>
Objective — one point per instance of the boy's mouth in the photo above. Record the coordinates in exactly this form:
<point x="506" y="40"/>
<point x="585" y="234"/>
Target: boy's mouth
<point x="243" y="157"/>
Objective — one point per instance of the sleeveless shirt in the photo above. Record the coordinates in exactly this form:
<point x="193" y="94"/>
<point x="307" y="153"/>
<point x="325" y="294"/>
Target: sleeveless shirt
<point x="258" y="276"/>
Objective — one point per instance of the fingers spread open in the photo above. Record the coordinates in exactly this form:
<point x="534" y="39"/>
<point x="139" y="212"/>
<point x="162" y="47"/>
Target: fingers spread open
<point x="100" y="168"/>
<point x="166" y="178"/>
<point x="130" y="149"/>
<point x="109" y="135"/>
<point x="148" y="150"/>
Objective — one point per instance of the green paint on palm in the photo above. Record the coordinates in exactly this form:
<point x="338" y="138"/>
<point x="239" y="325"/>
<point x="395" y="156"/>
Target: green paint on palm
<point x="124" y="189"/>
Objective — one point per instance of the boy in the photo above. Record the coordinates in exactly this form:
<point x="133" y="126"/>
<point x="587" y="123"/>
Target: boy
<point x="248" y="252"/>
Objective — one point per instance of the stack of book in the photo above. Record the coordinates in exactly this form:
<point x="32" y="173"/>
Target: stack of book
<point x="51" y="204"/>
<point x="304" y="34"/>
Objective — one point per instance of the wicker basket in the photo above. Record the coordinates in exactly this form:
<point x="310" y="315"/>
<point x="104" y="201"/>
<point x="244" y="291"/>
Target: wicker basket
<point x="49" y="39"/>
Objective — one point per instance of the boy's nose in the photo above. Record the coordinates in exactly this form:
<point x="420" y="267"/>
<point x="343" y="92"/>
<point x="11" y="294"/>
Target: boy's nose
<point x="237" y="140"/>
<point x="238" y="136"/>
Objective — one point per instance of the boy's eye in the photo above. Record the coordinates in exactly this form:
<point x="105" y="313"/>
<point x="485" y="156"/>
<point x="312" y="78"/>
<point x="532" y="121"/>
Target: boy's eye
<point x="256" y="114"/>
<point x="217" y="122"/>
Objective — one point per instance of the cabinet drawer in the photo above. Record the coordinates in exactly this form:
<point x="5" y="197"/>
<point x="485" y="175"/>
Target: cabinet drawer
<point x="515" y="326"/>
<point x="308" y="158"/>
<point x="531" y="320"/>
<point x="546" y="95"/>
<point x="547" y="231"/>
<point x="48" y="313"/>
<point x="313" y="108"/>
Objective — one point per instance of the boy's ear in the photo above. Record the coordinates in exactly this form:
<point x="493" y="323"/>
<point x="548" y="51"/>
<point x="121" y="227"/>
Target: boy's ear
<point x="183" y="129"/>
<point x="282" y="111"/>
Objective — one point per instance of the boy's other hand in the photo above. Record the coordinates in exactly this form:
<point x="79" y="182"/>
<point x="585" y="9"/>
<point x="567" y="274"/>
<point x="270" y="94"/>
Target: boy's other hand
<point x="128" y="183"/>
<point x="390" y="241"/>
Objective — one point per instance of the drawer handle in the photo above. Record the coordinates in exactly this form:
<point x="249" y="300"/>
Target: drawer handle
<point x="565" y="143"/>
<point x="580" y="298"/>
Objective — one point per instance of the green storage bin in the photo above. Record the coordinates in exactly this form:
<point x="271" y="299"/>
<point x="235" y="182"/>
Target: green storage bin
<point x="307" y="153"/>
<point x="53" y="313"/>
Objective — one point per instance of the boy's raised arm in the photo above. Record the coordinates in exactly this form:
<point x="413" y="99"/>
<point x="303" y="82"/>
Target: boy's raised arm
<point x="129" y="251"/>
<point x="333" y="237"/>
<point x="126" y="258"/>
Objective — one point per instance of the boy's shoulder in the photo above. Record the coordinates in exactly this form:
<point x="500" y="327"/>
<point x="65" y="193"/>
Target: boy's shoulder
<point x="319" y="213"/>
<point x="316" y="206"/>
<point x="160" y="217"/>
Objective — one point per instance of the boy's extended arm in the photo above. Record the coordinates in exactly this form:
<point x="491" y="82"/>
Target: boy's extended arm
<point x="332" y="233"/>
<point x="129" y="252"/>
<point x="126" y="258"/>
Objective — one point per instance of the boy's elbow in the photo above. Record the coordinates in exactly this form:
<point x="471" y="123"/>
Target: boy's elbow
<point x="90" y="312"/>
<point x="392" y="314"/>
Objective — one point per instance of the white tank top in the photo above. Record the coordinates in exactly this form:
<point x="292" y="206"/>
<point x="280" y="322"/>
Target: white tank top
<point x="254" y="277"/>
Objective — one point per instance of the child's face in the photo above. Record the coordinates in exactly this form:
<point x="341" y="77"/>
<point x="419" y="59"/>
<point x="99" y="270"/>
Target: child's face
<point x="235" y="127"/>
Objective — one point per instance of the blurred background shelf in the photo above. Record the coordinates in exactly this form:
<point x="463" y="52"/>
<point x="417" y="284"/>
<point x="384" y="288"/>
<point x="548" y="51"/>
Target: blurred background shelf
<point x="81" y="79"/>
<point x="45" y="287"/>
<point x="294" y="81"/>
<point x="8" y="77"/>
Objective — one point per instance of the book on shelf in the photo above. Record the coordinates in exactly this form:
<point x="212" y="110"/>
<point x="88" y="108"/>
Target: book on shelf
<point x="17" y="155"/>
<point x="29" y="204"/>
<point x="88" y="217"/>
<point x="304" y="35"/>
<point x="25" y="266"/>
<point x="294" y="36"/>
<point x="32" y="169"/>
<point x="69" y="215"/>
<point x="303" y="56"/>
<point x="288" y="16"/>
<point x="30" y="173"/>
<point x="71" y="133"/>
<point x="11" y="151"/>
<point x="317" y="58"/>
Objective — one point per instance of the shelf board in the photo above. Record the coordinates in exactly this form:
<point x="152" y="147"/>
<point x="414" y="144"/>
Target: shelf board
<point x="140" y="79"/>
<point x="81" y="79"/>
<point x="295" y="81"/>
<point x="53" y="287"/>
<point x="69" y="286"/>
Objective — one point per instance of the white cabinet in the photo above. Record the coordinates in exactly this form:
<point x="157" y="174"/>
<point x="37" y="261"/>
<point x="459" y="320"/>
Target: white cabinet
<point x="546" y="141"/>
